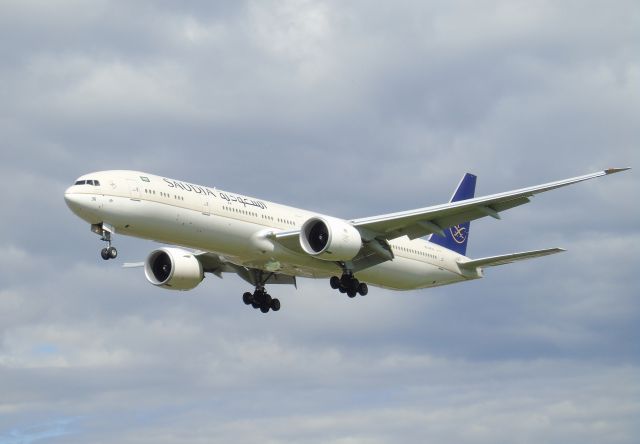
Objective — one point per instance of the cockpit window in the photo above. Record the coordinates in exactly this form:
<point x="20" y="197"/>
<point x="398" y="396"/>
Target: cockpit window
<point x="95" y="183"/>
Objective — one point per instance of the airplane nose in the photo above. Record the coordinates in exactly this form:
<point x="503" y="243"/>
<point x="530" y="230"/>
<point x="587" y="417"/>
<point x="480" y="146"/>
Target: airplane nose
<point x="72" y="200"/>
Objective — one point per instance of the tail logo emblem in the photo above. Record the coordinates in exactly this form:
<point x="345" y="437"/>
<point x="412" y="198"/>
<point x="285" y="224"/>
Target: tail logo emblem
<point x="459" y="233"/>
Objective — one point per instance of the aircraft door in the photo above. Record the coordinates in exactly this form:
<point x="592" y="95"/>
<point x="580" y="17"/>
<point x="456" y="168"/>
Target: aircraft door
<point x="134" y="189"/>
<point x="206" y="209"/>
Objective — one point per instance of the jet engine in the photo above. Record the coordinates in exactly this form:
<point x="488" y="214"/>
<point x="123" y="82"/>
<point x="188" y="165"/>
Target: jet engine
<point x="173" y="268"/>
<point x="330" y="239"/>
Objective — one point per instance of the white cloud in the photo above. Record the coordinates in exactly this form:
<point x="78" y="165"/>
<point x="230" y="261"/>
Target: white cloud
<point x="352" y="109"/>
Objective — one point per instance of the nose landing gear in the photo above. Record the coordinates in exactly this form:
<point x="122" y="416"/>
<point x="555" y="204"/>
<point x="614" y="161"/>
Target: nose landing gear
<point x="104" y="231"/>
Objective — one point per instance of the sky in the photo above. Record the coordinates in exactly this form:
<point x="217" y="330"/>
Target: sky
<point x="353" y="109"/>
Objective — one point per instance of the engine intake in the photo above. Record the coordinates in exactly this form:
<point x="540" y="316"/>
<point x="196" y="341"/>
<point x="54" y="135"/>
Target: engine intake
<point x="173" y="268"/>
<point x="330" y="239"/>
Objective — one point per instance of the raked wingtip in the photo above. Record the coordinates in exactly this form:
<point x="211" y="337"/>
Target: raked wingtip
<point x="616" y="170"/>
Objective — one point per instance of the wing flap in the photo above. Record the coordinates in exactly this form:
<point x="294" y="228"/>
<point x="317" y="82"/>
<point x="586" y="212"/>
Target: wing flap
<point x="493" y="261"/>
<point x="216" y="264"/>
<point x="441" y="220"/>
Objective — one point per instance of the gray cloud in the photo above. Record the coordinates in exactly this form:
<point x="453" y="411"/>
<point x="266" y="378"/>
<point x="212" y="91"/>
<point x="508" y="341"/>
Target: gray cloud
<point x="351" y="109"/>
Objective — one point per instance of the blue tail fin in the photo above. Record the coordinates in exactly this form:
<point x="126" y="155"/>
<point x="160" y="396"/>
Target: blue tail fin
<point x="456" y="237"/>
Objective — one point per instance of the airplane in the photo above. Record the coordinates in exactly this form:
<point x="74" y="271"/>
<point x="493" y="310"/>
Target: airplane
<point x="214" y="231"/>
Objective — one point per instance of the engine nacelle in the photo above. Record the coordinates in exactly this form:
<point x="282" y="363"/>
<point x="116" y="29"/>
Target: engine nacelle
<point x="173" y="268"/>
<point x="330" y="239"/>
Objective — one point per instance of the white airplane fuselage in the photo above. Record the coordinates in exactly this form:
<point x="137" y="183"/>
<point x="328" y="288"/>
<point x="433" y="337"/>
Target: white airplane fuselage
<point x="237" y="227"/>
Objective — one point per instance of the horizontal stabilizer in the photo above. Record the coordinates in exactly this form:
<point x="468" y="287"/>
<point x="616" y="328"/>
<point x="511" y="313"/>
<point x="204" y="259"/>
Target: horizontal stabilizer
<point x="493" y="261"/>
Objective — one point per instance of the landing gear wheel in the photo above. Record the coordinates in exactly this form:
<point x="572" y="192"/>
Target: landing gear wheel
<point x="260" y="299"/>
<point x="113" y="253"/>
<point x="105" y="254"/>
<point x="348" y="284"/>
<point x="256" y="299"/>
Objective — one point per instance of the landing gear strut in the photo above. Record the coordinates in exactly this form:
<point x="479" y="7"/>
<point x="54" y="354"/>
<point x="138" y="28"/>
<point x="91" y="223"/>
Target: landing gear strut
<point x="262" y="300"/>
<point x="104" y="231"/>
<point x="349" y="284"/>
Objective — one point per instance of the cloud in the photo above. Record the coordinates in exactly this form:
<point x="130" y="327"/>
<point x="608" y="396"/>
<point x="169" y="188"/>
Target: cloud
<point x="52" y="429"/>
<point x="353" y="110"/>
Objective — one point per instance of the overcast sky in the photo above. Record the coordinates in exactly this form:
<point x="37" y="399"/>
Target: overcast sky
<point x="351" y="108"/>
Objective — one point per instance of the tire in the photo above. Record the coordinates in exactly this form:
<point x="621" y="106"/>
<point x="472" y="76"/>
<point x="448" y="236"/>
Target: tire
<point x="342" y="289"/>
<point x="105" y="254"/>
<point x="113" y="253"/>
<point x="352" y="293"/>
<point x="255" y="299"/>
<point x="334" y="282"/>
<point x="275" y="304"/>
<point x="247" y="298"/>
<point x="363" y="289"/>
<point x="264" y="308"/>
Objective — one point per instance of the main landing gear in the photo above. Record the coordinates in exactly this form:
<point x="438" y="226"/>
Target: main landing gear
<point x="262" y="300"/>
<point x="349" y="284"/>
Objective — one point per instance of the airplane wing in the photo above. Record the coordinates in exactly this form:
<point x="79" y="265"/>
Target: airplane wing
<point x="435" y="219"/>
<point x="377" y="230"/>
<point x="217" y="264"/>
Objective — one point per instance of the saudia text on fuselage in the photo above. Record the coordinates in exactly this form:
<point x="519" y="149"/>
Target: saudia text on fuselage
<point x="230" y="198"/>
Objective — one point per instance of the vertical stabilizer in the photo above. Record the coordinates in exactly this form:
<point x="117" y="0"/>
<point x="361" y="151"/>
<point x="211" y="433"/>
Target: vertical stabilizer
<point x="456" y="237"/>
